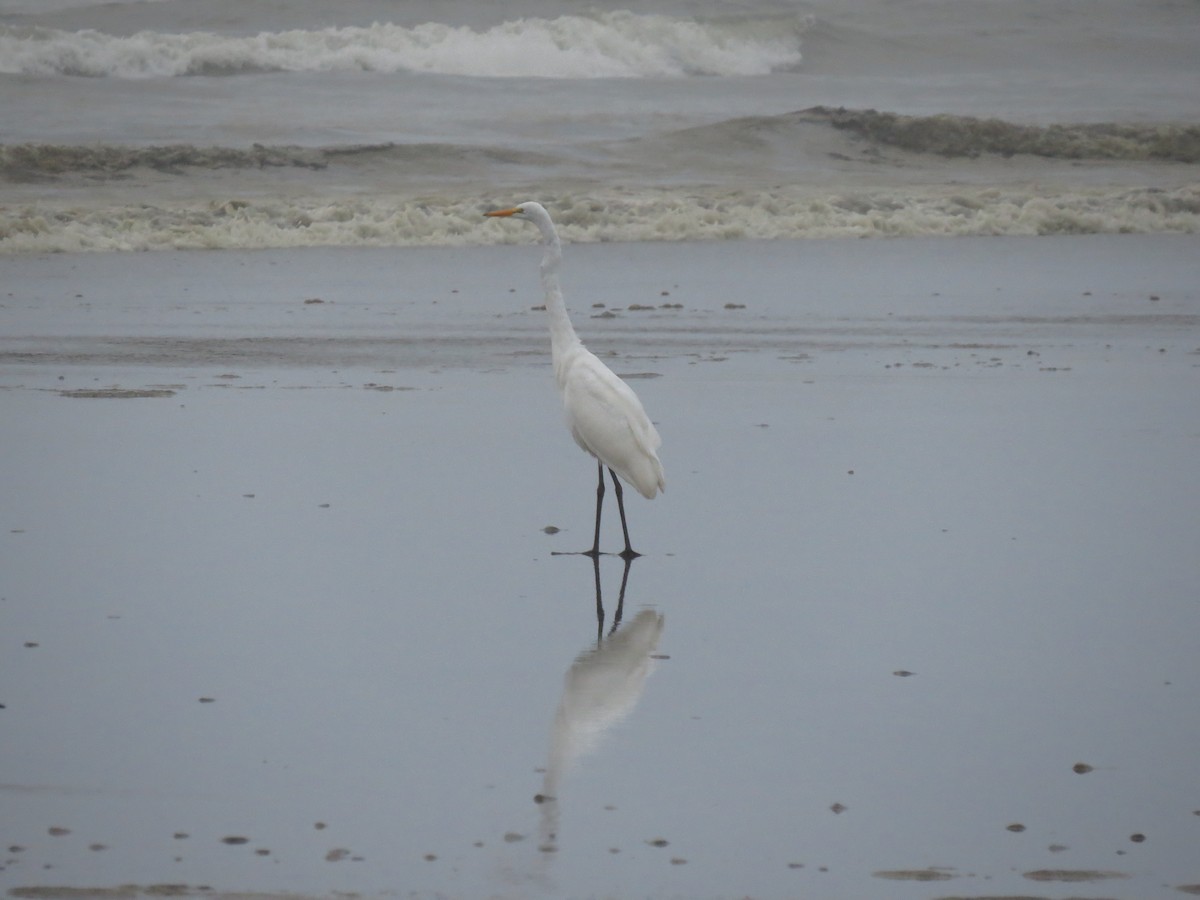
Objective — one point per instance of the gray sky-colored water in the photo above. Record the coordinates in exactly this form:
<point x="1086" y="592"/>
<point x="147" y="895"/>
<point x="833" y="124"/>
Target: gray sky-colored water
<point x="897" y="457"/>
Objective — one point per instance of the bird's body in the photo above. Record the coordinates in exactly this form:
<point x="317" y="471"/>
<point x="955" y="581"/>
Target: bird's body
<point x="605" y="416"/>
<point x="608" y="421"/>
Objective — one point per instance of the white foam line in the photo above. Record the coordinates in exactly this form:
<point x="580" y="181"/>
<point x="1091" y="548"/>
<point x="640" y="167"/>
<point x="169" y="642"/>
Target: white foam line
<point x="641" y="216"/>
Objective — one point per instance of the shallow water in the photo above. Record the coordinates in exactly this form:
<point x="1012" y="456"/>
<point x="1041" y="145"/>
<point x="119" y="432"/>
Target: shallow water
<point x="915" y="618"/>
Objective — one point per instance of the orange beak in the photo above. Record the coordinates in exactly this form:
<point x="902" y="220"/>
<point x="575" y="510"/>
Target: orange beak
<point x="503" y="212"/>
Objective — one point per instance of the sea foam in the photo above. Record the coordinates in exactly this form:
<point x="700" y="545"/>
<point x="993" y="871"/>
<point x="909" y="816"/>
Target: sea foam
<point x="605" y="45"/>
<point x="646" y="215"/>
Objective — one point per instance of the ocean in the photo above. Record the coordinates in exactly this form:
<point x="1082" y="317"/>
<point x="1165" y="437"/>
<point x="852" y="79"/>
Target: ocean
<point x="149" y="124"/>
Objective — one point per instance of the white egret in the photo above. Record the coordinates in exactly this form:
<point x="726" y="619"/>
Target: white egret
<point x="605" y="416"/>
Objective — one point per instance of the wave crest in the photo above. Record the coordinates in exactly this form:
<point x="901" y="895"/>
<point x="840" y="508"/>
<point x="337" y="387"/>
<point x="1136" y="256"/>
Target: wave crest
<point x="657" y="215"/>
<point x="609" y="45"/>
<point x="950" y="136"/>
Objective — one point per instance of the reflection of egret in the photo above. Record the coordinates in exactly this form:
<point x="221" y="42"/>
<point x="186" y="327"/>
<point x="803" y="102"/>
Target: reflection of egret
<point x="600" y="598"/>
<point x="600" y="689"/>
<point x="605" y="415"/>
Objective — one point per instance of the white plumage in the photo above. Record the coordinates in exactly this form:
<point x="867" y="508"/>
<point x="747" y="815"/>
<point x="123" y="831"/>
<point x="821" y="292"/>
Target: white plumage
<point x="605" y="416"/>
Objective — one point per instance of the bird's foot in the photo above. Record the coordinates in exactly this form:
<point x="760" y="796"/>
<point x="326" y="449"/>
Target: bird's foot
<point x="625" y="554"/>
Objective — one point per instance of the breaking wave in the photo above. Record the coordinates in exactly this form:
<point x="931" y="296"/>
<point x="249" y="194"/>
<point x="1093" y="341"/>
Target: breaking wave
<point x="37" y="162"/>
<point x="944" y="136"/>
<point x="645" y="215"/>
<point x="181" y="196"/>
<point x="606" y="45"/>
<point x="950" y="135"/>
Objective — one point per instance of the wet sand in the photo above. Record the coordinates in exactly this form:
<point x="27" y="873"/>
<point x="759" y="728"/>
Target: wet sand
<point x="916" y="616"/>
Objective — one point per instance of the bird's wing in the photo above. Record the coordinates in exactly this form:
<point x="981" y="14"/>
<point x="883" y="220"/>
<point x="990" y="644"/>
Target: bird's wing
<point x="607" y="420"/>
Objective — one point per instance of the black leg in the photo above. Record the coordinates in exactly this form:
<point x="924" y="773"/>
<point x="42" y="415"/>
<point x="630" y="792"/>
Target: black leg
<point x="628" y="552"/>
<point x="595" y="551"/>
<point x="621" y="596"/>
<point x="599" y="599"/>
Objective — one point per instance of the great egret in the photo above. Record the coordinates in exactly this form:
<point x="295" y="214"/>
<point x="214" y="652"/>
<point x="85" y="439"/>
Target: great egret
<point x="605" y="416"/>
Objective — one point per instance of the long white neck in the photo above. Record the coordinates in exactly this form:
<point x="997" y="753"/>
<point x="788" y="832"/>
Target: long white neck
<point x="562" y="333"/>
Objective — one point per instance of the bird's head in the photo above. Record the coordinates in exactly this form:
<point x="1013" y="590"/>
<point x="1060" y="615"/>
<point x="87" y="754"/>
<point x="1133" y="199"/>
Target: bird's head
<point x="524" y="210"/>
<point x="536" y="213"/>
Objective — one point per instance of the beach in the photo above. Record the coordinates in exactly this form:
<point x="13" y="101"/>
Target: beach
<point x="291" y="596"/>
<point x="283" y="613"/>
